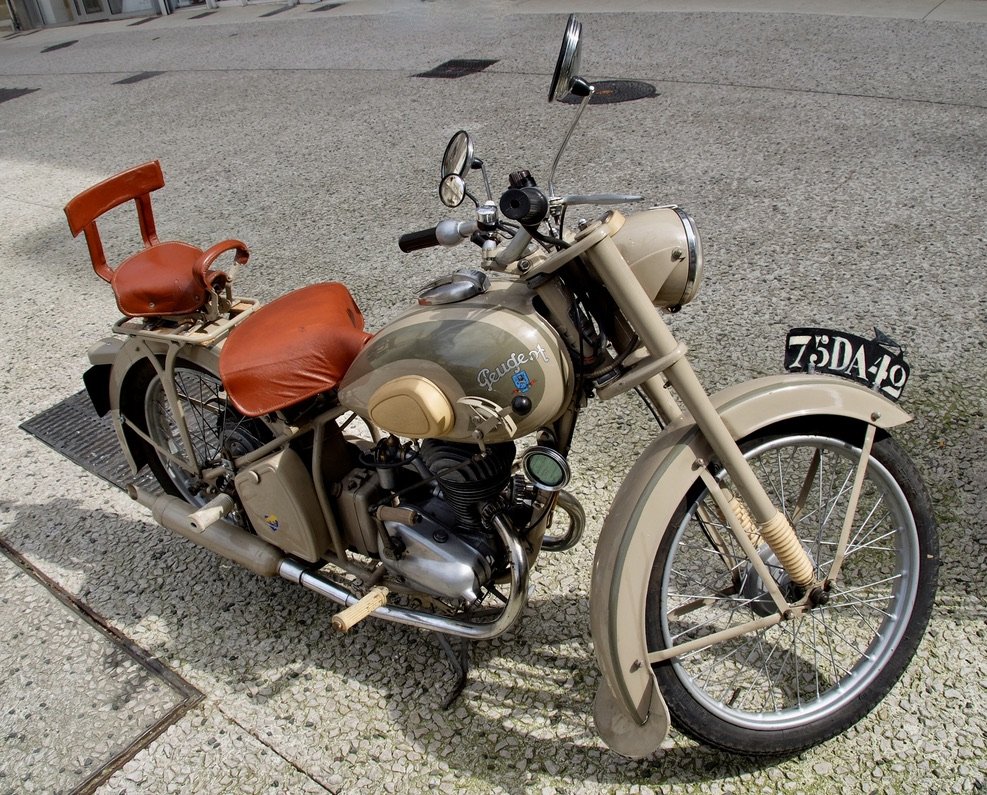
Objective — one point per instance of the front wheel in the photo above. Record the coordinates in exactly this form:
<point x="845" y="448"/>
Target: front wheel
<point x="800" y="682"/>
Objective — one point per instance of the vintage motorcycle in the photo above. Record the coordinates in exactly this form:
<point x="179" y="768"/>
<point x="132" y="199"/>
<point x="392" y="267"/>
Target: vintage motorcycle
<point x="767" y="568"/>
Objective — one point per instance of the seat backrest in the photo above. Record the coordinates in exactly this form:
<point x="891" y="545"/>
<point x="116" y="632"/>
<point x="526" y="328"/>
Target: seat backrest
<point x="135" y="184"/>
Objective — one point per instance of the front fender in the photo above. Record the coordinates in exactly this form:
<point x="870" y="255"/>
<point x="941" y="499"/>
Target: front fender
<point x="630" y="712"/>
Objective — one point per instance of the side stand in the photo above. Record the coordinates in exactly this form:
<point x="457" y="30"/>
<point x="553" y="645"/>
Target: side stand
<point x="459" y="661"/>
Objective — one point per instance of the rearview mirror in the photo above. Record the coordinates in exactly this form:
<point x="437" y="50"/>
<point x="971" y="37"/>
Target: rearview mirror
<point x="566" y="76"/>
<point x="452" y="190"/>
<point x="458" y="157"/>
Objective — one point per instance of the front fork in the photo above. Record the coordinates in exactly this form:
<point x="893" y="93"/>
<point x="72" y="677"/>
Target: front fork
<point x="676" y="372"/>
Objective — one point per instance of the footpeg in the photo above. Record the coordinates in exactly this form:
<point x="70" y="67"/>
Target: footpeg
<point x="346" y="619"/>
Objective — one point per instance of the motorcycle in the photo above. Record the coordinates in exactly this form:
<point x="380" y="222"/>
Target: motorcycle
<point x="768" y="566"/>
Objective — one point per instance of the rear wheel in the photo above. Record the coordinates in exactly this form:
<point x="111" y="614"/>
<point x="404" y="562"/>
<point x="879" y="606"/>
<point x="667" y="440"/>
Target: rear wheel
<point x="218" y="432"/>
<point x="800" y="682"/>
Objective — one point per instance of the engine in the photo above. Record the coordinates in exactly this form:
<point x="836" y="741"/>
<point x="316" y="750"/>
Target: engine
<point x="438" y="540"/>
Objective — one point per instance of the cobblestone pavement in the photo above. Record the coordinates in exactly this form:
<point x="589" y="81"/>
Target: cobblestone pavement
<point x="835" y="164"/>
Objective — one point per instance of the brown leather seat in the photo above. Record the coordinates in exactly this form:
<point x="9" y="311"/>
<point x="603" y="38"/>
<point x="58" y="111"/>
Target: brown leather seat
<point x="294" y="348"/>
<point x="165" y="278"/>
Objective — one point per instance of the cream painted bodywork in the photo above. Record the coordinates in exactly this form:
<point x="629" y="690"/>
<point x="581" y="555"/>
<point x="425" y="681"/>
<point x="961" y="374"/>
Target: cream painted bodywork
<point x="443" y="371"/>
<point x="655" y="246"/>
<point x="631" y="715"/>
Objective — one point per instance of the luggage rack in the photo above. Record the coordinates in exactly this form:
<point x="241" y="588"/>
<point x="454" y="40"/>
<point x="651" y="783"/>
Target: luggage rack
<point x="191" y="331"/>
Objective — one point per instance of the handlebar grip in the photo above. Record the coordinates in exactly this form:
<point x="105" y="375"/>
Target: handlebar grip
<point x="413" y="241"/>
<point x="527" y="205"/>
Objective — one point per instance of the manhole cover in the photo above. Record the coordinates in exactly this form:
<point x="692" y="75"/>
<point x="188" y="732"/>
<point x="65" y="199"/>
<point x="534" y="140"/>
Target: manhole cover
<point x="79" y="698"/>
<point x="611" y="91"/>
<point x="458" y="68"/>
<point x="60" y="46"/>
<point x="13" y="93"/>
<point x="137" y="78"/>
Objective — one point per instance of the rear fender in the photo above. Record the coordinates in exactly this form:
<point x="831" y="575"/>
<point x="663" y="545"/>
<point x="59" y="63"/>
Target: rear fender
<point x="97" y="377"/>
<point x="630" y="712"/>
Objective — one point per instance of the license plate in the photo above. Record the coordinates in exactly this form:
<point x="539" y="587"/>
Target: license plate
<point x="878" y="363"/>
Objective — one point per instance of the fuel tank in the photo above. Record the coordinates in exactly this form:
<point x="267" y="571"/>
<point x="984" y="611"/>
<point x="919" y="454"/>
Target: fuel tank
<point x="440" y="371"/>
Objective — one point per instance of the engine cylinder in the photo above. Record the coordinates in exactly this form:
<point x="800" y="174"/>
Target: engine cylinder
<point x="468" y="480"/>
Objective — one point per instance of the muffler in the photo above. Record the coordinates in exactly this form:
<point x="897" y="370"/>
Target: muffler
<point x="206" y="528"/>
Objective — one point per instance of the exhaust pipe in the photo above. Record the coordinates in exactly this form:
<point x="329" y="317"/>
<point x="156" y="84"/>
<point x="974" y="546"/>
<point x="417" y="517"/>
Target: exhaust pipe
<point x="569" y="505"/>
<point x="205" y="527"/>
<point x="296" y="572"/>
<point x="233" y="542"/>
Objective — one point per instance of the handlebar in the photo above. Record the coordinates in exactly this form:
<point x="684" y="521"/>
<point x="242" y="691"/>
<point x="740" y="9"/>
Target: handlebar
<point x="446" y="233"/>
<point x="527" y="204"/>
<point x="414" y="241"/>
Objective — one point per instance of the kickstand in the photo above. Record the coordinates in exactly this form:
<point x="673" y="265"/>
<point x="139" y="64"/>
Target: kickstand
<point x="460" y="663"/>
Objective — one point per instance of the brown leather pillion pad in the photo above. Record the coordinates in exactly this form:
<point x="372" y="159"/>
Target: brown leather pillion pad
<point x="292" y="349"/>
<point x="160" y="280"/>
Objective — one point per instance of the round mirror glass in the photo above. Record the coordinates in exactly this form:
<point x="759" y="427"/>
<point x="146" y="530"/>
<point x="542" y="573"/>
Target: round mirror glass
<point x="452" y="190"/>
<point x="567" y="67"/>
<point x="459" y="155"/>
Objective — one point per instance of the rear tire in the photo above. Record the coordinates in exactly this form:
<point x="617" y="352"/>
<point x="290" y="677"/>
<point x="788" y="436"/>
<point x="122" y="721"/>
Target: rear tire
<point x="216" y="429"/>
<point x="798" y="683"/>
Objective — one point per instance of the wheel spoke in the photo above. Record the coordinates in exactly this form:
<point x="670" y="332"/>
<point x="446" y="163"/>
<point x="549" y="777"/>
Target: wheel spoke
<point x="212" y="426"/>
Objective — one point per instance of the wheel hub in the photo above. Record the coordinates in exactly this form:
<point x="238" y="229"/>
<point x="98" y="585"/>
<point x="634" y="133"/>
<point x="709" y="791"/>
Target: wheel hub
<point x="753" y="589"/>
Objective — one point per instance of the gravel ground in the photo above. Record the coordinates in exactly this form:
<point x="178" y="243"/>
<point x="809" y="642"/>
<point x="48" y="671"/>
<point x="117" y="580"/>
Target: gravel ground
<point x="835" y="166"/>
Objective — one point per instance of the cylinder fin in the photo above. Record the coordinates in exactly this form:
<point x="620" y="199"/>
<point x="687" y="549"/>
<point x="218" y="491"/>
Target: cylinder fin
<point x="468" y="479"/>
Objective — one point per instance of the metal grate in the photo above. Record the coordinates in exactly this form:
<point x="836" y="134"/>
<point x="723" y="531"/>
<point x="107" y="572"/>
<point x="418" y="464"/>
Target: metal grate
<point x="14" y="93"/>
<point x="280" y="10"/>
<point x="457" y="68"/>
<point x="61" y="46"/>
<point x="609" y="92"/>
<point x="326" y="7"/>
<point x="72" y="429"/>
<point x="137" y="78"/>
<point x="203" y="16"/>
<point x="141" y="21"/>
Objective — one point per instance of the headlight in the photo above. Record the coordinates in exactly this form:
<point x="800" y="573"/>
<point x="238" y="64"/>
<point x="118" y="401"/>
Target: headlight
<point x="665" y="252"/>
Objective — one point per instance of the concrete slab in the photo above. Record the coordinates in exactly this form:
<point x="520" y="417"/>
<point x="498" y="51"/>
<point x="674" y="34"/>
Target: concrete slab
<point x="77" y="700"/>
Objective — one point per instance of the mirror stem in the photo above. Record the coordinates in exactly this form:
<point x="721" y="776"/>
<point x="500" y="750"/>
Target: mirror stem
<point x="582" y="106"/>
<point x="477" y="163"/>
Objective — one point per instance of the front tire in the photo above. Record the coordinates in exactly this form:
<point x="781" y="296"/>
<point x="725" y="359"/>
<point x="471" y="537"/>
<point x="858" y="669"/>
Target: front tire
<point x="800" y="682"/>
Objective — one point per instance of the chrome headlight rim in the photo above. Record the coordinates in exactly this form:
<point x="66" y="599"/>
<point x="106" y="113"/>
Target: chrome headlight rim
<point x="694" y="245"/>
